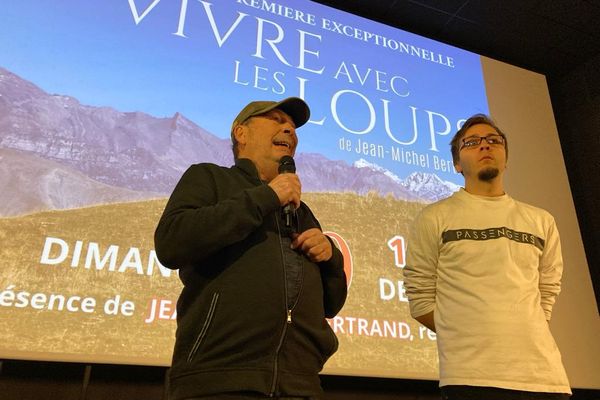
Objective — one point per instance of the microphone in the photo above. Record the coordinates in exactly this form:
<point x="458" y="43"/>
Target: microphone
<point x="287" y="166"/>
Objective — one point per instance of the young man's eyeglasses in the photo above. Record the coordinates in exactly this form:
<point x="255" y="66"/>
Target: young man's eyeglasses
<point x="474" y="141"/>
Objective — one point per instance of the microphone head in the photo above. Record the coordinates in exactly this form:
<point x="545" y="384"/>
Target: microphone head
<point x="287" y="165"/>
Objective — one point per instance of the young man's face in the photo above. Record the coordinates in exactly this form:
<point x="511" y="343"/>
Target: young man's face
<point x="484" y="161"/>
<point x="266" y="138"/>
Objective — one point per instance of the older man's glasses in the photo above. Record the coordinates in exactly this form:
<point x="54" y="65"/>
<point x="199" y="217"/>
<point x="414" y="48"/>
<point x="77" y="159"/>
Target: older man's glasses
<point x="474" y="141"/>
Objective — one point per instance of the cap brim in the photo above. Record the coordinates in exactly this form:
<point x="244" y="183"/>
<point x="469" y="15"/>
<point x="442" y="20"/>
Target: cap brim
<point x="296" y="108"/>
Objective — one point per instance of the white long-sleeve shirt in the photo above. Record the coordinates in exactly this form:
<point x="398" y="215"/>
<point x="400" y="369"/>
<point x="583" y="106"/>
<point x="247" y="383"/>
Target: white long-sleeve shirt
<point x="490" y="269"/>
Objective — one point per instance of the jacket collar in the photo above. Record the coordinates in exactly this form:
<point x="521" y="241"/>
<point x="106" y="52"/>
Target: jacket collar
<point x="247" y="167"/>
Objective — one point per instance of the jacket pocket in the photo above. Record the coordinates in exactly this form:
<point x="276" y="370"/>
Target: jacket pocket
<point x="205" y="327"/>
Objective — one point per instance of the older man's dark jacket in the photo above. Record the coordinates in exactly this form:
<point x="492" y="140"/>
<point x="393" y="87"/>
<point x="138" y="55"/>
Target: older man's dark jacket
<point x="251" y="316"/>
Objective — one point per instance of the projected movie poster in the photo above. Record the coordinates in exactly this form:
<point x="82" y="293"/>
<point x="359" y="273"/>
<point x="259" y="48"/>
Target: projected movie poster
<point x="104" y="104"/>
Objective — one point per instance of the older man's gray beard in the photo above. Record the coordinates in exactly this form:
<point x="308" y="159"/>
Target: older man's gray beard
<point x="488" y="174"/>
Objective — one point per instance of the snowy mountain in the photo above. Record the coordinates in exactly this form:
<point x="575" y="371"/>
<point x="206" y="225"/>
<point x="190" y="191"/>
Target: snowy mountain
<point x="429" y="186"/>
<point x="422" y="185"/>
<point x="322" y="175"/>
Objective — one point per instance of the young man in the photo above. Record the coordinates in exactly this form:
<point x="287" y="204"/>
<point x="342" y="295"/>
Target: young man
<point x="258" y="284"/>
<point x="483" y="271"/>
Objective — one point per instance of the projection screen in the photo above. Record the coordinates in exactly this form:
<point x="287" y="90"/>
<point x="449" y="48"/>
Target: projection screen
<point x="104" y="104"/>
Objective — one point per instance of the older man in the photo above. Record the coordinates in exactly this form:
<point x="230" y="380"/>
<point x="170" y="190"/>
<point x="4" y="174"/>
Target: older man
<point x="258" y="282"/>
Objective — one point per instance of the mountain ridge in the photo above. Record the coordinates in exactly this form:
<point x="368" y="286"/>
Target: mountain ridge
<point x="128" y="152"/>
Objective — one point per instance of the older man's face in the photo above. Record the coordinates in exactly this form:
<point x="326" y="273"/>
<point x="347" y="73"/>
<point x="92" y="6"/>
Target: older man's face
<point x="268" y="137"/>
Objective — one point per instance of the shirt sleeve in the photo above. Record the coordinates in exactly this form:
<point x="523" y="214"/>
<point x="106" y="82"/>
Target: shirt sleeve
<point x="550" y="270"/>
<point x="420" y="272"/>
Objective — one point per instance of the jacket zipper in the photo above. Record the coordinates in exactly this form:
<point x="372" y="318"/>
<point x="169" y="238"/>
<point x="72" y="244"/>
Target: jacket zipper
<point x="288" y="314"/>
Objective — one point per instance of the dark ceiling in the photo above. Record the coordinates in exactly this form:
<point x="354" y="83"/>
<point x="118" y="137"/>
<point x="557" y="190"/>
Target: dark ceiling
<point x="551" y="37"/>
